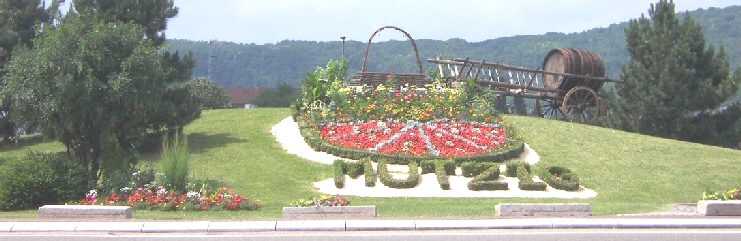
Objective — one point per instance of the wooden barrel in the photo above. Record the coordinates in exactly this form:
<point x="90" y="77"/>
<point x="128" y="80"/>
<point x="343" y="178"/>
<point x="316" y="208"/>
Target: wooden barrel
<point x="572" y="61"/>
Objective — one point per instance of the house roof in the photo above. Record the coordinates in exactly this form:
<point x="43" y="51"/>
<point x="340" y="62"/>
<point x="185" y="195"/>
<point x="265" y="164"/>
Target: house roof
<point x="243" y="95"/>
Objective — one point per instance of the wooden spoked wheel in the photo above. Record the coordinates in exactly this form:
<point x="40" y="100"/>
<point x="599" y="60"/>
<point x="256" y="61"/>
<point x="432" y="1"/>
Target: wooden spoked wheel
<point x="549" y="108"/>
<point x="581" y="104"/>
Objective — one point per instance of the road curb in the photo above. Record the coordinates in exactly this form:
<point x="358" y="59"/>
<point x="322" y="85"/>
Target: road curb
<point x="368" y="225"/>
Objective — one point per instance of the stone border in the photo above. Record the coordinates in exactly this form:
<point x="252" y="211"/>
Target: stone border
<point x="544" y="209"/>
<point x="367" y="225"/>
<point x="719" y="208"/>
<point x="331" y="212"/>
<point x="85" y="211"/>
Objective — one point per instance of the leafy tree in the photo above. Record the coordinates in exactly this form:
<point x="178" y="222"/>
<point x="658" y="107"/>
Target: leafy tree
<point x="92" y="85"/>
<point x="283" y="96"/>
<point x="674" y="84"/>
<point x="18" y="26"/>
<point x="175" y="109"/>
<point x="210" y="95"/>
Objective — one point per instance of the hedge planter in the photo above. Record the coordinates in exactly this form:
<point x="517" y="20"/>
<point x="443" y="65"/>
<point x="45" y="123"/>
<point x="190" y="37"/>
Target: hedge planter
<point x="330" y="212"/>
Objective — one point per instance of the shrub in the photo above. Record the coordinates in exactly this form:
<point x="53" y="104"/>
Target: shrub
<point x="442" y="175"/>
<point x="339" y="173"/>
<point x="175" y="163"/>
<point x="470" y="169"/>
<point x="448" y="164"/>
<point x="512" y="168"/>
<point x="487" y="185"/>
<point x="560" y="178"/>
<point x="411" y="181"/>
<point x="355" y="169"/>
<point x="370" y="174"/>
<point x="486" y="180"/>
<point x="41" y="178"/>
<point x="526" y="181"/>
<point x="428" y="166"/>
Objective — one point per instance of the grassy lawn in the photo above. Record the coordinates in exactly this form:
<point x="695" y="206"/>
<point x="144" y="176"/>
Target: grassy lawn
<point x="631" y="173"/>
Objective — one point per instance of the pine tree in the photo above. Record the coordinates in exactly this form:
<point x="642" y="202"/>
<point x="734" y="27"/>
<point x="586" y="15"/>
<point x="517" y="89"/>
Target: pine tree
<point x="674" y="84"/>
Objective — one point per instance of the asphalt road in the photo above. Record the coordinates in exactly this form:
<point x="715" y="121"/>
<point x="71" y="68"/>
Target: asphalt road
<point x="462" y="235"/>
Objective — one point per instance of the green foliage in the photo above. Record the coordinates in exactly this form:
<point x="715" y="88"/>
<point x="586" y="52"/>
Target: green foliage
<point x="19" y="23"/>
<point x="487" y="180"/>
<point x="675" y="84"/>
<point x="151" y="15"/>
<point x="339" y="168"/>
<point x="511" y="168"/>
<point x="370" y="173"/>
<point x="470" y="169"/>
<point x="441" y="173"/>
<point x="175" y="161"/>
<point x="410" y="182"/>
<point x="355" y="169"/>
<point x="283" y="96"/>
<point x="318" y="85"/>
<point x="427" y="166"/>
<point x="36" y="179"/>
<point x="92" y="85"/>
<point x="487" y="185"/>
<point x="210" y="95"/>
<point x="560" y="178"/>
<point x="526" y="180"/>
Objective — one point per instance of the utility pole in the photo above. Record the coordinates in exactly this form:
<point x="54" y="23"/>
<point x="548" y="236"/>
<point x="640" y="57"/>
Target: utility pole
<point x="211" y="60"/>
<point x="343" y="46"/>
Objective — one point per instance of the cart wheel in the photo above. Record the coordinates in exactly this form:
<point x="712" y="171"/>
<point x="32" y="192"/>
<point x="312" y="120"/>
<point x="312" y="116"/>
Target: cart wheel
<point x="581" y="104"/>
<point x="551" y="109"/>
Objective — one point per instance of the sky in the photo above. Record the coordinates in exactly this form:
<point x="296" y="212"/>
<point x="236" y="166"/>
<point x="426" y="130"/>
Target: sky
<point x="272" y="21"/>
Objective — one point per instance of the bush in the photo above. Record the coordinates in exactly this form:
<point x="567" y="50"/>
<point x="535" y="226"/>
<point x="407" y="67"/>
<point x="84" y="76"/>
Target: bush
<point x="355" y="169"/>
<point x="442" y="175"/>
<point x="428" y="166"/>
<point x="512" y="168"/>
<point x="449" y="166"/>
<point x="486" y="180"/>
<point x="411" y="181"/>
<point x="487" y="185"/>
<point x="41" y="178"/>
<point x="339" y="173"/>
<point x="560" y="178"/>
<point x="470" y="169"/>
<point x="370" y="174"/>
<point x="526" y="181"/>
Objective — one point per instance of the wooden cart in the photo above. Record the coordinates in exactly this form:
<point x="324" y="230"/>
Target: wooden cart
<point x="565" y="87"/>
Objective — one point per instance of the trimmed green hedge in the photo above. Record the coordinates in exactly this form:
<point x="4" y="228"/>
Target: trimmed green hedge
<point x="411" y="181"/>
<point x="370" y="174"/>
<point x="340" y="168"/>
<point x="486" y="180"/>
<point x="470" y="169"/>
<point x="487" y="185"/>
<point x="526" y="180"/>
<point x="512" y="168"/>
<point x="354" y="169"/>
<point x="441" y="172"/>
<point x="560" y="178"/>
<point x="428" y="166"/>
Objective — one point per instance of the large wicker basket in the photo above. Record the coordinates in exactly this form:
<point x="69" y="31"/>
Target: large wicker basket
<point x="376" y="78"/>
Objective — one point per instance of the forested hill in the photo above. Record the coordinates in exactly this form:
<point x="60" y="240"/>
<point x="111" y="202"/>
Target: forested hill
<point x="251" y="65"/>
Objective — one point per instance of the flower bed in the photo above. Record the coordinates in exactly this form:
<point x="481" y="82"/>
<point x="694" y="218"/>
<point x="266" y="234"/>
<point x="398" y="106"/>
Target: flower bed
<point x="402" y="123"/>
<point x="161" y="199"/>
<point x="440" y="138"/>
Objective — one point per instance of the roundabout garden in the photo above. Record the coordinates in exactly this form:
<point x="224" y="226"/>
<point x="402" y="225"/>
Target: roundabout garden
<point x="401" y="133"/>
